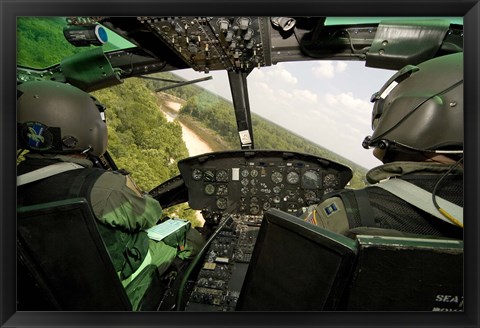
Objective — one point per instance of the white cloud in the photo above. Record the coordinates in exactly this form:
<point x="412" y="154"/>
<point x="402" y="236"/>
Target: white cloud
<point x="281" y="75"/>
<point x="263" y="88"/>
<point x="327" y="69"/>
<point x="258" y="73"/>
<point x="281" y="99"/>
<point x="324" y="69"/>
<point x="285" y="95"/>
<point x="358" y="108"/>
<point x="341" y="66"/>
<point x="305" y="96"/>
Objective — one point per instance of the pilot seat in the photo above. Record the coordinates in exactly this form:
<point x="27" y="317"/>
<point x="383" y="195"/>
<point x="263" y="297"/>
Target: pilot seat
<point x="64" y="265"/>
<point x="302" y="267"/>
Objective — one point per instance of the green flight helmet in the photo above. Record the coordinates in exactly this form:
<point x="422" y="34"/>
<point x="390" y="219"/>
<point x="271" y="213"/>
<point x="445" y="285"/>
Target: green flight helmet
<point x="54" y="117"/>
<point x="420" y="109"/>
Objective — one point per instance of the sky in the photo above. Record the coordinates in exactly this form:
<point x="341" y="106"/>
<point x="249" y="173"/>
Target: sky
<point x="327" y="102"/>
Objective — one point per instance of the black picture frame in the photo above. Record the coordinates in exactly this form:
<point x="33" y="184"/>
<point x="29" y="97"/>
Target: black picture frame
<point x="10" y="9"/>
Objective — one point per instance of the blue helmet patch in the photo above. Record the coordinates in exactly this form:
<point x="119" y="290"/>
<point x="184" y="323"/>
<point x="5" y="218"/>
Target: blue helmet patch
<point x="36" y="136"/>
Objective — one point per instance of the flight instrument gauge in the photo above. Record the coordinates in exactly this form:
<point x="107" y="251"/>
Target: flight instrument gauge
<point x="209" y="189"/>
<point x="254" y="173"/>
<point x="330" y="180"/>
<point x="311" y="180"/>
<point x="222" y="176"/>
<point x="266" y="206"/>
<point x="311" y="196"/>
<point x="293" y="177"/>
<point x="222" y="203"/>
<point x="254" y="209"/>
<point x="209" y="175"/>
<point x="277" y="177"/>
<point x="222" y="190"/>
<point x="197" y="174"/>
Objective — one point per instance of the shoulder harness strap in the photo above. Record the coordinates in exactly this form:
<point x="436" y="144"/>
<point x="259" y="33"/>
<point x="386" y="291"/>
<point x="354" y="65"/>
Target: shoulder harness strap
<point x="421" y="198"/>
<point x="46" y="172"/>
<point x="364" y="208"/>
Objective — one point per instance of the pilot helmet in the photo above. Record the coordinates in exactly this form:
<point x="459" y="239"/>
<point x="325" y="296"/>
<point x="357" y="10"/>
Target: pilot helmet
<point x="54" y="117"/>
<point x="420" y="109"/>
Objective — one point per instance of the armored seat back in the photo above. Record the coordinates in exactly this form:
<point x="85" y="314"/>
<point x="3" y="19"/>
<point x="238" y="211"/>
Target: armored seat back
<point x="406" y="274"/>
<point x="63" y="263"/>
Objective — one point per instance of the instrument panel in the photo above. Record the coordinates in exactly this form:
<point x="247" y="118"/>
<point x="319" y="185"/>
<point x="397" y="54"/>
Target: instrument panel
<point x="250" y="182"/>
<point x="242" y="185"/>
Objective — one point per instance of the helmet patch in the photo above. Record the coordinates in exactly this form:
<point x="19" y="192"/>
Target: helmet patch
<point x="36" y="136"/>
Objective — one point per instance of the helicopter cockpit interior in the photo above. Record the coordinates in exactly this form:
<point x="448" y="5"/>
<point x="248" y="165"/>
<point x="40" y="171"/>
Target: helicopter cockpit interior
<point x="259" y="256"/>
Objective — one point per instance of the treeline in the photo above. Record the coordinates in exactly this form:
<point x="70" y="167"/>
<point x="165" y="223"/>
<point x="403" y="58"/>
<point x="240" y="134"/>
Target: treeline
<point x="140" y="138"/>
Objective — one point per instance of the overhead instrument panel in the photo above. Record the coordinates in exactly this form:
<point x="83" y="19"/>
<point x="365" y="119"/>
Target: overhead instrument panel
<point x="214" y="43"/>
<point x="251" y="182"/>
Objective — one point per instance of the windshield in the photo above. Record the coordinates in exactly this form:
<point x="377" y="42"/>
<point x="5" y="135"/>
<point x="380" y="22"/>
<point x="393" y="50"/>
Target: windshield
<point x="311" y="100"/>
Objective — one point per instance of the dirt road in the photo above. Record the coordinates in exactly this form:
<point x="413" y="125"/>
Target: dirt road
<point x="195" y="145"/>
